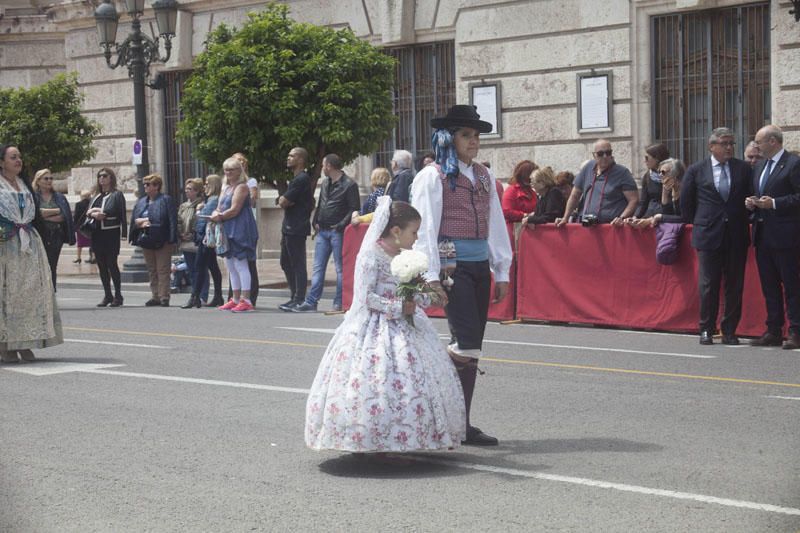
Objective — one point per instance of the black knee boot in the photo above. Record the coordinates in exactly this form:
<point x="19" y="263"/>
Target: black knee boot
<point x="467" y="374"/>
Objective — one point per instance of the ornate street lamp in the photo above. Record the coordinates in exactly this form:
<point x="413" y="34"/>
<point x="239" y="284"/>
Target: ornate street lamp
<point x="137" y="52"/>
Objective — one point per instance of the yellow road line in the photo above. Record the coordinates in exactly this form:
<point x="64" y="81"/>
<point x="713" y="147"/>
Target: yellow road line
<point x="642" y="372"/>
<point x="488" y="359"/>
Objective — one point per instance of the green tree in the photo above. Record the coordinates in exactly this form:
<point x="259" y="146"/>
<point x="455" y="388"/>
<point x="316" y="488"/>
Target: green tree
<point x="276" y="83"/>
<point x="45" y="122"/>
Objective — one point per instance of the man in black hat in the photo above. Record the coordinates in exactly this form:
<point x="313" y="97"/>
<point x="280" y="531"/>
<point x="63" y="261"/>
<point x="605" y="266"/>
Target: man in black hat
<point x="464" y="235"/>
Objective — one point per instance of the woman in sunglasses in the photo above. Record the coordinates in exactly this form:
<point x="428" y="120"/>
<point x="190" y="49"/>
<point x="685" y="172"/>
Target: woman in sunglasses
<point x="57" y="228"/>
<point x="671" y="172"/>
<point x="154" y="228"/>
<point x="650" y="198"/>
<point x="107" y="208"/>
<point x="29" y="316"/>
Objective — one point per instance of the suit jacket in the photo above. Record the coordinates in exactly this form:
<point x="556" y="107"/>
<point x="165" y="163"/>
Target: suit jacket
<point x="711" y="216"/>
<point x="779" y="227"/>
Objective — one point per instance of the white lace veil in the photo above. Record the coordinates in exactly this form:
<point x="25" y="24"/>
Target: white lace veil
<point x="367" y="255"/>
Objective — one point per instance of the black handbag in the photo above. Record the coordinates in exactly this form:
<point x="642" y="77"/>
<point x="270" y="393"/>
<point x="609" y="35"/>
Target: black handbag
<point x="88" y="226"/>
<point x="151" y="238"/>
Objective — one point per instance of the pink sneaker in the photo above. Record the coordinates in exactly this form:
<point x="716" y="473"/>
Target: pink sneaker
<point x="228" y="306"/>
<point x="243" y="307"/>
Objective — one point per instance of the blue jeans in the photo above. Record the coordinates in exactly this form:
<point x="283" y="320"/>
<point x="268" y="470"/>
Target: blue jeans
<point x="205" y="262"/>
<point x="327" y="241"/>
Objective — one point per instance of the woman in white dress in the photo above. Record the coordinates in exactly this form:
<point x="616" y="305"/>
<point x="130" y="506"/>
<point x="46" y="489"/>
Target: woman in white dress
<point x="29" y="317"/>
<point x="385" y="385"/>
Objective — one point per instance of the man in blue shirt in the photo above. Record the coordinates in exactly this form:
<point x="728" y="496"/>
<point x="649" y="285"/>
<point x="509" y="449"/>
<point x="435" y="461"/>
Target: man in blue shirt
<point x="604" y="191"/>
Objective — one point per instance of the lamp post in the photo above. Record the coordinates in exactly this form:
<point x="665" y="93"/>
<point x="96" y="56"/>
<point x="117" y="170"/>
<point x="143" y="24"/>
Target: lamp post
<point x="137" y="52"/>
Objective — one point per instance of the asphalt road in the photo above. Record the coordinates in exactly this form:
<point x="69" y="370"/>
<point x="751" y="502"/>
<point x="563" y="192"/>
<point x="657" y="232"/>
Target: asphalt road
<point x="152" y="419"/>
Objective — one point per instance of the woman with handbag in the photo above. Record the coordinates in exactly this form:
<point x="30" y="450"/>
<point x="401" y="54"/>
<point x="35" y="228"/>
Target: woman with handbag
<point x="206" y="257"/>
<point x="57" y="216"/>
<point x="668" y="223"/>
<point x="187" y="221"/>
<point x="239" y="227"/>
<point x="671" y="171"/>
<point x="29" y="316"/>
<point x="154" y="228"/>
<point x="105" y="222"/>
<point x="78" y="215"/>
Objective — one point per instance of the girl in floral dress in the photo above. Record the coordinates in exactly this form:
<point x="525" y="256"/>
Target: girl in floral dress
<point x="385" y="385"/>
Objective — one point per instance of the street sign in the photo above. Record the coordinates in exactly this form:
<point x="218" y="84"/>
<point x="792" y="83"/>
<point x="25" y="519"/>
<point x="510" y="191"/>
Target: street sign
<point x="137" y="152"/>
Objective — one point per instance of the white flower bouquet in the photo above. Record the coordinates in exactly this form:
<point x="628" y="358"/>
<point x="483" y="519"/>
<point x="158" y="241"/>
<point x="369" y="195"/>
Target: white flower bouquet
<point x="408" y="267"/>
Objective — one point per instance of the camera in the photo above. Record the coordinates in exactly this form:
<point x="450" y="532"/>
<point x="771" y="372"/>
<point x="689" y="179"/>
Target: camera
<point x="587" y="221"/>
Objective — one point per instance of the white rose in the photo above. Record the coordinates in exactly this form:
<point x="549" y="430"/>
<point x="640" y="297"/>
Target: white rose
<point x="409" y="264"/>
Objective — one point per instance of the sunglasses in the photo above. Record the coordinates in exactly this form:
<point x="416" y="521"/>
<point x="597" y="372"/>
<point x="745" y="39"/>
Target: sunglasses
<point x="663" y="172"/>
<point x="103" y="175"/>
<point x="603" y="153"/>
<point x="46" y="178"/>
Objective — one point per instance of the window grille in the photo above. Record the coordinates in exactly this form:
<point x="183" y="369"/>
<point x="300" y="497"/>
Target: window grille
<point x="425" y="87"/>
<point x="710" y="69"/>
<point x="181" y="163"/>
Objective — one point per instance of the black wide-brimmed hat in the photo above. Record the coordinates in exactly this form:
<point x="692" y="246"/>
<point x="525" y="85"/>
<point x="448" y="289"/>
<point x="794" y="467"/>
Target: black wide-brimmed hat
<point x="465" y="116"/>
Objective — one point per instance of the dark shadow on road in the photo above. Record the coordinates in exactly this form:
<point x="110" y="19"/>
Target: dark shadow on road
<point x="510" y="454"/>
<point x="591" y="444"/>
<point x="398" y="466"/>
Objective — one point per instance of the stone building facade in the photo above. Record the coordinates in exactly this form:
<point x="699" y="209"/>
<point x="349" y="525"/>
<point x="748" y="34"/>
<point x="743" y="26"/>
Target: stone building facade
<point x="532" y="50"/>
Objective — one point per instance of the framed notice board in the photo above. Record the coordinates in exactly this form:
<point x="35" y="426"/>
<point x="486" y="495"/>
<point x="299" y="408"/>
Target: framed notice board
<point x="486" y="97"/>
<point x="595" y="112"/>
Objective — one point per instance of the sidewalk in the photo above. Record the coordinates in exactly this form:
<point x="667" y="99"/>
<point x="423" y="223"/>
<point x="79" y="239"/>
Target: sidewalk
<point x="270" y="275"/>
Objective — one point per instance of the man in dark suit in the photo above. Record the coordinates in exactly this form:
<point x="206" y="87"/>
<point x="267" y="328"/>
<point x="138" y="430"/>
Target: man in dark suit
<point x="713" y="193"/>
<point x="776" y="235"/>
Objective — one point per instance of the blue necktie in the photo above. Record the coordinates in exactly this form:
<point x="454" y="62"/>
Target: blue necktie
<point x="724" y="183"/>
<point x="765" y="177"/>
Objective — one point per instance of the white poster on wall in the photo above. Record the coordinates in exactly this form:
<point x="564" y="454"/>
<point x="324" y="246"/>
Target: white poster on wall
<point x="594" y="104"/>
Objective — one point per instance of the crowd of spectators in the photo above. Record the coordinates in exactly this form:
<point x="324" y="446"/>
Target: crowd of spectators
<point x="602" y="191"/>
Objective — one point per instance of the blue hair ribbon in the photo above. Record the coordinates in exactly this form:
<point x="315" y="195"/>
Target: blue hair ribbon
<point x="445" y="151"/>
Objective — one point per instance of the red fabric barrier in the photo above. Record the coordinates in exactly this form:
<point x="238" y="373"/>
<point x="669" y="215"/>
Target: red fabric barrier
<point x="608" y="275"/>
<point x="353" y="236"/>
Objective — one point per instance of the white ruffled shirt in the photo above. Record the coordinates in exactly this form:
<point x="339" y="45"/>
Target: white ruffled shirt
<point x="426" y="197"/>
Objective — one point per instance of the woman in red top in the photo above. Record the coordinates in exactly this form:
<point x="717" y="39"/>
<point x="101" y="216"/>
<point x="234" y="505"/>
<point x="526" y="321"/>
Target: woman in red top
<point x="519" y="199"/>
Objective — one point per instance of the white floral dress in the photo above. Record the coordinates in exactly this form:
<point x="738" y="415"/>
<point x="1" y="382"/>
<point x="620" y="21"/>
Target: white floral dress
<point x="384" y="385"/>
<point x="29" y="317"/>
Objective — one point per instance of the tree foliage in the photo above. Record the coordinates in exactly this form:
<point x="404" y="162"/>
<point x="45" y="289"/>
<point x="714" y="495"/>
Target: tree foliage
<point x="276" y="83"/>
<point x="45" y="122"/>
